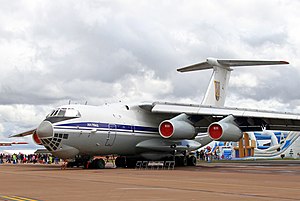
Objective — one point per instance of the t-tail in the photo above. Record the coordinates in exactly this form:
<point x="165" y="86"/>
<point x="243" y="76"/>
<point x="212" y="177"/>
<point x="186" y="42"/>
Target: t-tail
<point x="217" y="88"/>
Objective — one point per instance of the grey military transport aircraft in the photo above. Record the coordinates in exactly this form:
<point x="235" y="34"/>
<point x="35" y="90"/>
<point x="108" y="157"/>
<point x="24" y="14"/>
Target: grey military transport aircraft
<point x="155" y="130"/>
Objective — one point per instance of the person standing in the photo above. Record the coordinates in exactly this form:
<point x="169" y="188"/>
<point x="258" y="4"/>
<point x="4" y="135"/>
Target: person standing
<point x="14" y="157"/>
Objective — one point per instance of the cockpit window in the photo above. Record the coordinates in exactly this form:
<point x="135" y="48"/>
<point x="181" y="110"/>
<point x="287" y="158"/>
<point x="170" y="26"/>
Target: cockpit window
<point x="71" y="112"/>
<point x="61" y="112"/>
<point x="64" y="112"/>
<point x="52" y="113"/>
<point x="55" y="112"/>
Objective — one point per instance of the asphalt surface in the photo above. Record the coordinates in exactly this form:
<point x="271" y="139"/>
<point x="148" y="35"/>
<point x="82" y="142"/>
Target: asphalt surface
<point x="261" y="180"/>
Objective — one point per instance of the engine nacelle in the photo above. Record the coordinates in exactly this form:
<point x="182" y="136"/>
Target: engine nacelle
<point x="178" y="127"/>
<point x="225" y="130"/>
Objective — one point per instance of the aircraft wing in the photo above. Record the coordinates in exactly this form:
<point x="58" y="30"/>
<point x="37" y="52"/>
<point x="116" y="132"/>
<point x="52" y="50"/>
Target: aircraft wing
<point x="30" y="132"/>
<point x="246" y="119"/>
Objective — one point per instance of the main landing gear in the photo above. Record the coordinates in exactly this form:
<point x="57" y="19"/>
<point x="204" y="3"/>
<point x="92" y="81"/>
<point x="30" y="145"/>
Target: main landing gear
<point x="124" y="162"/>
<point x="181" y="159"/>
<point x="186" y="160"/>
<point x="87" y="163"/>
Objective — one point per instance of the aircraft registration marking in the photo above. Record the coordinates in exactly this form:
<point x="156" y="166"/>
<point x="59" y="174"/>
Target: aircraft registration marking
<point x="15" y="198"/>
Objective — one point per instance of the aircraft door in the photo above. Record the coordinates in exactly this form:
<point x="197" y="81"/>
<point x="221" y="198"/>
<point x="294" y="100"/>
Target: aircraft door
<point x="111" y="135"/>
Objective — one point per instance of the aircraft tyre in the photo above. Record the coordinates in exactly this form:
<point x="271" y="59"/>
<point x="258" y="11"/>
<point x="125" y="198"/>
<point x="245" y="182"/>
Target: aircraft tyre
<point x="120" y="162"/>
<point x="98" y="164"/>
<point x="192" y="161"/>
<point x="130" y="163"/>
<point x="71" y="164"/>
<point x="181" y="161"/>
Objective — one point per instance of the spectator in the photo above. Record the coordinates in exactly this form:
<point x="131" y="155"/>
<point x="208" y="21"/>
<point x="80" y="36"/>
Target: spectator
<point x="15" y="158"/>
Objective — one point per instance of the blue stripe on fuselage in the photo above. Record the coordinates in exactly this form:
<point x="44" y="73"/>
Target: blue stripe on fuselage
<point x="93" y="125"/>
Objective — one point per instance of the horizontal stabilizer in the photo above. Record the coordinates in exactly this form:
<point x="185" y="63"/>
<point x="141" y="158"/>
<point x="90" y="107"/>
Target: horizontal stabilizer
<point x="225" y="63"/>
<point x="193" y="67"/>
<point x="250" y="62"/>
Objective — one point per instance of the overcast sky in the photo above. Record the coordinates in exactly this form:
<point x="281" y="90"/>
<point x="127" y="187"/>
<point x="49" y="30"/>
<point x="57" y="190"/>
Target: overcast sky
<point x="109" y="51"/>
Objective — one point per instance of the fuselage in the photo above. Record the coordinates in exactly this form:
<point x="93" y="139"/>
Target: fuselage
<point x="72" y="130"/>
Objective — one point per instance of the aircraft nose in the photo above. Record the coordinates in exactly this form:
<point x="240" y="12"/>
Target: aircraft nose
<point x="45" y="129"/>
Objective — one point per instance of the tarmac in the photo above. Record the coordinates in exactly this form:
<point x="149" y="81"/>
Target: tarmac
<point x="258" y="180"/>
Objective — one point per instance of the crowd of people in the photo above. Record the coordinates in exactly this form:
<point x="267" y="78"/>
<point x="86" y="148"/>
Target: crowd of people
<point x="30" y="158"/>
<point x="207" y="154"/>
<point x="203" y="155"/>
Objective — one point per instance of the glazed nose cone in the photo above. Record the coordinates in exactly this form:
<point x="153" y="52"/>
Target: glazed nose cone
<point x="45" y="129"/>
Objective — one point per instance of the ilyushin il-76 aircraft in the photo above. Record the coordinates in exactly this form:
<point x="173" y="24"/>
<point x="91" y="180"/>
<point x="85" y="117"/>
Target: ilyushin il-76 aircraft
<point x="156" y="130"/>
<point x="6" y="144"/>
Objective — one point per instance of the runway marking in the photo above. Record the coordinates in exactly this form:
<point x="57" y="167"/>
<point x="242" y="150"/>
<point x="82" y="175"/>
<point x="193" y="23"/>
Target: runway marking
<point x="15" y="198"/>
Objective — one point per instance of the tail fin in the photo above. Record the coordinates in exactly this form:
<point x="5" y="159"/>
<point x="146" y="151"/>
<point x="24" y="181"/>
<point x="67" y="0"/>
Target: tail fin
<point x="217" y="88"/>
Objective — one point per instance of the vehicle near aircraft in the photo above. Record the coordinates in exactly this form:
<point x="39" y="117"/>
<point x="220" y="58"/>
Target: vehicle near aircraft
<point x="156" y="130"/>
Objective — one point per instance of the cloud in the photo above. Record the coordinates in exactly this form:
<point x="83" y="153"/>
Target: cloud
<point x="102" y="51"/>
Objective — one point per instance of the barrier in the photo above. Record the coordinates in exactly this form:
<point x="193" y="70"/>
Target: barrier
<point x="155" y="165"/>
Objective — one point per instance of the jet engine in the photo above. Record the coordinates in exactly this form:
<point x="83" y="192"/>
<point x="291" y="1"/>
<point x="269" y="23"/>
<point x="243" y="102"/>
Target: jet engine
<point x="178" y="127"/>
<point x="225" y="130"/>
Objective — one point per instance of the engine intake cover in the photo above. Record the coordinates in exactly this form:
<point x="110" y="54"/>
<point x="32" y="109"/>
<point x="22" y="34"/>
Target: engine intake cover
<point x="178" y="127"/>
<point x="225" y="130"/>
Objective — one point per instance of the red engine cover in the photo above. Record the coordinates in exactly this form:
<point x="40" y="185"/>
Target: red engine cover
<point x="215" y="131"/>
<point x="166" y="129"/>
<point x="36" y="139"/>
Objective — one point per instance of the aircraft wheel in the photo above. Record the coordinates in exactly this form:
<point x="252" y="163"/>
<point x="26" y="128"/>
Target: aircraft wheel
<point x="192" y="161"/>
<point x="71" y="164"/>
<point x="99" y="163"/>
<point x="130" y="163"/>
<point x="120" y="162"/>
<point x="181" y="161"/>
<point x="184" y="161"/>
